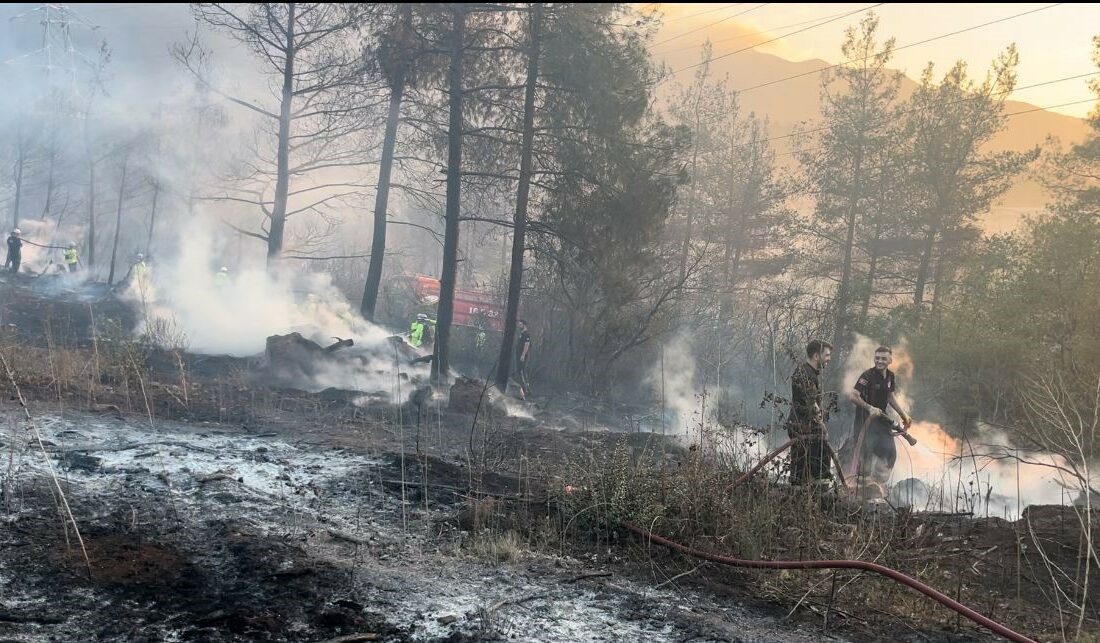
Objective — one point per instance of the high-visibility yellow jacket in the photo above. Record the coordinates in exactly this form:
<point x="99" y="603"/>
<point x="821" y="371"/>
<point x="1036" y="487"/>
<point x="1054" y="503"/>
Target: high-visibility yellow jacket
<point x="416" y="333"/>
<point x="71" y="256"/>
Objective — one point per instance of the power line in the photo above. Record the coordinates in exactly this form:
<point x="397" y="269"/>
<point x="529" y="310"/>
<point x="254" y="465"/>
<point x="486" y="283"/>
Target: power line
<point x="955" y="102"/>
<point x="814" y="26"/>
<point x="755" y="33"/>
<point x="906" y="46"/>
<point x="818" y="192"/>
<point x="708" y="26"/>
<point x="693" y="15"/>
<point x="1008" y="115"/>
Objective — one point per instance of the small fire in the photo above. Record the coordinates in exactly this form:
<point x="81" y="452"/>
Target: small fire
<point x="934" y="437"/>
<point x="932" y="453"/>
<point x="981" y="474"/>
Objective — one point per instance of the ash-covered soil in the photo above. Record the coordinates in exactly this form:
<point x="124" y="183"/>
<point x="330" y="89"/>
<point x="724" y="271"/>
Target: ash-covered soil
<point x="206" y="532"/>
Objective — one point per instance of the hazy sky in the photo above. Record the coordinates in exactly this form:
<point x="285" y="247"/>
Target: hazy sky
<point x="1053" y="42"/>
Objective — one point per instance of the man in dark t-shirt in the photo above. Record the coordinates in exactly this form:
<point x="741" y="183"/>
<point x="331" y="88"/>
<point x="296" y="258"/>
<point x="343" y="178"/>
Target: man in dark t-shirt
<point x="523" y="353"/>
<point x="810" y="455"/>
<point x="871" y="429"/>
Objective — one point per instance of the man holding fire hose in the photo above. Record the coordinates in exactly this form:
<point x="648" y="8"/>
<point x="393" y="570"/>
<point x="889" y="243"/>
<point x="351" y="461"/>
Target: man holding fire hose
<point x="810" y="454"/>
<point x="870" y="450"/>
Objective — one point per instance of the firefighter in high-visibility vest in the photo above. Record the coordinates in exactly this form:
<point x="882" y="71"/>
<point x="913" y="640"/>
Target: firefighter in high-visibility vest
<point x="420" y="330"/>
<point x="72" y="257"/>
<point x="221" y="278"/>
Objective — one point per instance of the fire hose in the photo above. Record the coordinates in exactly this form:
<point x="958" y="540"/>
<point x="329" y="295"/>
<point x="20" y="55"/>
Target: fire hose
<point x="892" y="574"/>
<point x="780" y="449"/>
<point x="897" y="430"/>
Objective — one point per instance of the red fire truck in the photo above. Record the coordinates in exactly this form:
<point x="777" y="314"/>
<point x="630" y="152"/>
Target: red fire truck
<point x="410" y="294"/>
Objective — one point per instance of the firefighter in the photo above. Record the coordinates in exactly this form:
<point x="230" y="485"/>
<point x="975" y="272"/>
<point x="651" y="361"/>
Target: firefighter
<point x="138" y="275"/>
<point x="420" y="331"/>
<point x="523" y="353"/>
<point x="140" y="269"/>
<point x="221" y="278"/>
<point x="871" y="429"/>
<point x="809" y="455"/>
<point x="15" y="250"/>
<point x="72" y="257"/>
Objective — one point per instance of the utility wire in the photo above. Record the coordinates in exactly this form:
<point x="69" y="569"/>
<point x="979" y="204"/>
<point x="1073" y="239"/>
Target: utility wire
<point x="708" y="26"/>
<point x="1008" y="115"/>
<point x="906" y="46"/>
<point x="692" y="15"/>
<point x="756" y="33"/>
<point x="955" y="102"/>
<point x="797" y="31"/>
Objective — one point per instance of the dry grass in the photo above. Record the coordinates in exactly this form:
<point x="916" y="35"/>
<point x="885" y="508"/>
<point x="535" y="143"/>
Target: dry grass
<point x="690" y="500"/>
<point x="503" y="547"/>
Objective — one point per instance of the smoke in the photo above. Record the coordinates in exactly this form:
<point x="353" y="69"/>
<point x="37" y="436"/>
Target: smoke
<point x="693" y="399"/>
<point x="980" y="471"/>
<point x="983" y="473"/>
<point x="181" y="304"/>
<point x="43" y="245"/>
<point x="673" y="382"/>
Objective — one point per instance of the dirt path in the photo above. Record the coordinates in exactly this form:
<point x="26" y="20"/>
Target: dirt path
<point x="207" y="533"/>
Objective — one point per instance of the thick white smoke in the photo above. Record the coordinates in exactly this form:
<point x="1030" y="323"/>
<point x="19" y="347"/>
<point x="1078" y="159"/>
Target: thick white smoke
<point x="43" y="245"/>
<point x="673" y="381"/>
<point x="235" y="318"/>
<point x="181" y="301"/>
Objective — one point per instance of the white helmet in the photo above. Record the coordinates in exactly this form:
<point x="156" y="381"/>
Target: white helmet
<point x="224" y="269"/>
<point x="140" y="256"/>
<point x="72" y="244"/>
<point x="17" y="232"/>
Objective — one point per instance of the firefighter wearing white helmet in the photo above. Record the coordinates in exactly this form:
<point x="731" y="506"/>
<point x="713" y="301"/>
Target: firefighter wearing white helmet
<point x="139" y="273"/>
<point x="221" y="278"/>
<point x="15" y="250"/>
<point x="72" y="257"/>
<point x="420" y="330"/>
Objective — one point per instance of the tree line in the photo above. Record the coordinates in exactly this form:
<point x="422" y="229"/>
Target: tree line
<point x="629" y="205"/>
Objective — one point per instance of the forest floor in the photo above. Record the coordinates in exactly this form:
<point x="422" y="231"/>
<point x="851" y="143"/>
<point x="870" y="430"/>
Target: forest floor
<point x="213" y="508"/>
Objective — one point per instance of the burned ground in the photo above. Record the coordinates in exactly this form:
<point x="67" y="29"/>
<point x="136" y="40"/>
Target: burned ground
<point x="203" y="532"/>
<point x="216" y="508"/>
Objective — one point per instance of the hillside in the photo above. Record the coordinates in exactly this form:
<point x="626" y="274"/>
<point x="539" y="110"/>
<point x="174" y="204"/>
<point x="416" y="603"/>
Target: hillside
<point x="798" y="100"/>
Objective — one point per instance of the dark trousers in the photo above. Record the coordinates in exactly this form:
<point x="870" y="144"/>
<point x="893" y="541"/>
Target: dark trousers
<point x="14" y="260"/>
<point x="810" y="457"/>
<point x="878" y="454"/>
<point x="521" y="377"/>
<point x="72" y="267"/>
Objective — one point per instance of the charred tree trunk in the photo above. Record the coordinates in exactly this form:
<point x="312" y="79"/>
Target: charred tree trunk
<point x="282" y="179"/>
<point x="689" y="216"/>
<point x="381" y="199"/>
<point x="923" y="270"/>
<point x="91" y="214"/>
<point x="519" y="238"/>
<point x="118" y="220"/>
<point x="445" y="311"/>
<point x="844" y="289"/>
<point x="21" y="152"/>
<point x="20" y="163"/>
<point x="872" y="268"/>
<point x="50" y="172"/>
<point x="152" y="216"/>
